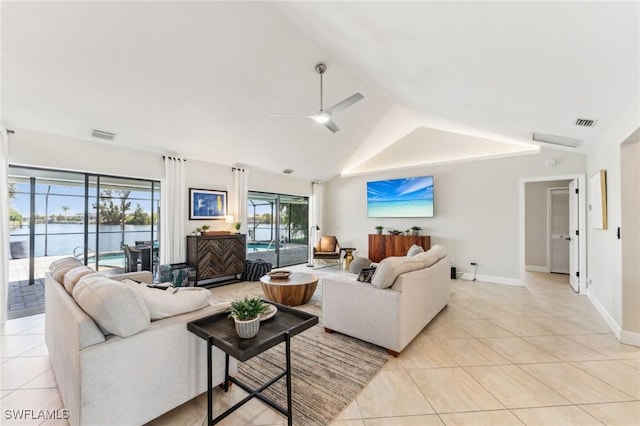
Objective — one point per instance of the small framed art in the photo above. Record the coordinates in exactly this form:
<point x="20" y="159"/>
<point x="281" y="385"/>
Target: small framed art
<point x="207" y="204"/>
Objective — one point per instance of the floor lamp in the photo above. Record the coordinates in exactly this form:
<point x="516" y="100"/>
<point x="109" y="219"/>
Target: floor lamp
<point x="310" y="258"/>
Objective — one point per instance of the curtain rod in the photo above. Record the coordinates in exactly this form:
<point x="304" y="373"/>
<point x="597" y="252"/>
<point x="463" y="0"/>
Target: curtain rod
<point x="165" y="157"/>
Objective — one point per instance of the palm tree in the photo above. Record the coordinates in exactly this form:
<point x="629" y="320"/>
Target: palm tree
<point x="65" y="209"/>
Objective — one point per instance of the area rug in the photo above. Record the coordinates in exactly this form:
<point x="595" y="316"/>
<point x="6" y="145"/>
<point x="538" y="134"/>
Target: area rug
<point x="329" y="370"/>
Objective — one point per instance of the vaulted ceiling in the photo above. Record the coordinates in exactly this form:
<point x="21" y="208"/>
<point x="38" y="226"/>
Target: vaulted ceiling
<point x="442" y="81"/>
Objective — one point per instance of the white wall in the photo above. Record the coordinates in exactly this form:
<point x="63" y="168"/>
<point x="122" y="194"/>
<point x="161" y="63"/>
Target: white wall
<point x="604" y="248"/>
<point x="36" y="149"/>
<point x="476" y="209"/>
<point x="630" y="237"/>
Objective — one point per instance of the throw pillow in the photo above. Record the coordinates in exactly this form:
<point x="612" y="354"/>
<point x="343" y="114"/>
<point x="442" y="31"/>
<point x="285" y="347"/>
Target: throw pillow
<point x="391" y="267"/>
<point x="414" y="249"/>
<point x="62" y="266"/>
<point x="439" y="250"/>
<point x="115" y="307"/>
<point x="172" y="301"/>
<point x="427" y="258"/>
<point x="73" y="276"/>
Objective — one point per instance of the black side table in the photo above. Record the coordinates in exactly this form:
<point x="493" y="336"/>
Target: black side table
<point x="219" y="331"/>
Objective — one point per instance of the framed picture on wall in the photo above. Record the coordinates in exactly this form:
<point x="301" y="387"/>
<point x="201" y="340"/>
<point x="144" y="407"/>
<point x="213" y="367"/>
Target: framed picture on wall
<point x="207" y="204"/>
<point x="598" y="199"/>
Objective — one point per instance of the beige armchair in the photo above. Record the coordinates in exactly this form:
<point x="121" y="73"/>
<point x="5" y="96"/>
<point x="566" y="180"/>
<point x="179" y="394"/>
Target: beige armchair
<point x="327" y="248"/>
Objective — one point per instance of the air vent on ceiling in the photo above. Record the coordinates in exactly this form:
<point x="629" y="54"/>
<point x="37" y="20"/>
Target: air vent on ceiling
<point x="101" y="134"/>
<point x="287" y="171"/>
<point x="557" y="140"/>
<point x="585" y="122"/>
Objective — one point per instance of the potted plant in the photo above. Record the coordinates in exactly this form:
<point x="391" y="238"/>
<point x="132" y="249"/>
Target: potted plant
<point x="379" y="229"/>
<point x="407" y="231"/>
<point x="246" y="315"/>
<point x="237" y="225"/>
<point x="416" y="230"/>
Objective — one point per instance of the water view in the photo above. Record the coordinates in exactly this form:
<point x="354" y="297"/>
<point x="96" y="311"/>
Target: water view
<point x="56" y="239"/>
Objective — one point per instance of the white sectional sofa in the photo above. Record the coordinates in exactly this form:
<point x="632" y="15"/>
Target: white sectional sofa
<point x="405" y="296"/>
<point x="105" y="379"/>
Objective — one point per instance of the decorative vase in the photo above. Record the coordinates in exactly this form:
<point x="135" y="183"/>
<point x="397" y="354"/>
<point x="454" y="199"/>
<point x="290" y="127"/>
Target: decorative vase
<point x="415" y="232"/>
<point x="247" y="329"/>
<point x="379" y="231"/>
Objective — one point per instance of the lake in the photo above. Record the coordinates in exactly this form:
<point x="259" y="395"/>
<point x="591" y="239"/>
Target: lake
<point x="63" y="238"/>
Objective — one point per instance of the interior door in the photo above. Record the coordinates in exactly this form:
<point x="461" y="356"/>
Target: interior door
<point x="559" y="228"/>
<point x="574" y="251"/>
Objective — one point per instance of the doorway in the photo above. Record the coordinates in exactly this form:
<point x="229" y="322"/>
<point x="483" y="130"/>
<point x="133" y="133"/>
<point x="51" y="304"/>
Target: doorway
<point x="278" y="226"/>
<point x="552" y="216"/>
<point x="558" y="220"/>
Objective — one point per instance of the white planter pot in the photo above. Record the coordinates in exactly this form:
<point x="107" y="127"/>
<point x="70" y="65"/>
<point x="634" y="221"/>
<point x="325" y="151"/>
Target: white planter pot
<point x="247" y="329"/>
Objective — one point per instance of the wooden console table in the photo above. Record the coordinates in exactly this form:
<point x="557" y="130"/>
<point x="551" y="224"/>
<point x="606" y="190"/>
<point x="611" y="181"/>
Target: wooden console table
<point x="219" y="259"/>
<point x="385" y="245"/>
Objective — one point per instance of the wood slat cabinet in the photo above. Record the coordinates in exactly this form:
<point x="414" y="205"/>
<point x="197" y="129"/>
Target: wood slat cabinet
<point x="381" y="246"/>
<point x="219" y="259"/>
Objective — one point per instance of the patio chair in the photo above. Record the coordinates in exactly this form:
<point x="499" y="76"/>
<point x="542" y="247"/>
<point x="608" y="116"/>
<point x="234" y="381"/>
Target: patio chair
<point x="131" y="261"/>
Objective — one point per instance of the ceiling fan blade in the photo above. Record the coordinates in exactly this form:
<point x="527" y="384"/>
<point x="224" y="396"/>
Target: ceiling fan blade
<point x="345" y="103"/>
<point x="286" y="114"/>
<point x="331" y="125"/>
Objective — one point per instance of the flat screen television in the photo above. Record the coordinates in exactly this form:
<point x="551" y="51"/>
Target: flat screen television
<point x="408" y="197"/>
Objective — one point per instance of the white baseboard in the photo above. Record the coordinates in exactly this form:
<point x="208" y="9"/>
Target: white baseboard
<point x="613" y="325"/>
<point x="468" y="276"/>
<point x="630" y="338"/>
<point x="531" y="268"/>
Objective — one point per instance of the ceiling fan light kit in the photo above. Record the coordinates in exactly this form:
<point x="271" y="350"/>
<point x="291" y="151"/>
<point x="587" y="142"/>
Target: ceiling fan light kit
<point x="325" y="116"/>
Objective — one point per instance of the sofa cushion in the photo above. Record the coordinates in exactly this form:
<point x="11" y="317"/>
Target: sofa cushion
<point x="73" y="276"/>
<point x="414" y="249"/>
<point x="115" y="307"/>
<point x="172" y="301"/>
<point x="439" y="250"/>
<point x="389" y="269"/>
<point x="427" y="258"/>
<point x="327" y="244"/>
<point x="62" y="266"/>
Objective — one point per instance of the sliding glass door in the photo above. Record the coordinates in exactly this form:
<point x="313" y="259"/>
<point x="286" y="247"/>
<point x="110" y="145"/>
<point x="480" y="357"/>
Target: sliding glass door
<point x="278" y="230"/>
<point x="57" y="213"/>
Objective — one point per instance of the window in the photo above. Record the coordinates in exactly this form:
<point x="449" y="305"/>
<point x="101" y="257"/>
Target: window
<point x="57" y="213"/>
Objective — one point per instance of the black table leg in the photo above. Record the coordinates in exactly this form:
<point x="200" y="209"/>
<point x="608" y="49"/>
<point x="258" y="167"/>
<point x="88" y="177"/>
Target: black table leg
<point x="289" y="403"/>
<point x="210" y="384"/>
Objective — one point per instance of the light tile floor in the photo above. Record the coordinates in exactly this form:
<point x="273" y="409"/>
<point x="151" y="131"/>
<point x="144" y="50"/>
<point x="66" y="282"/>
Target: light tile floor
<point x="497" y="355"/>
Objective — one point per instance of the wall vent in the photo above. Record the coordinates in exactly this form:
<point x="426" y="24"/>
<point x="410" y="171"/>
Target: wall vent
<point x="287" y="171"/>
<point x="557" y="140"/>
<point x="101" y="134"/>
<point x="585" y="122"/>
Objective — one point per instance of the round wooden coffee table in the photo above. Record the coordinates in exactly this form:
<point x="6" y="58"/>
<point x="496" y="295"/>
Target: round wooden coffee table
<point x="294" y="291"/>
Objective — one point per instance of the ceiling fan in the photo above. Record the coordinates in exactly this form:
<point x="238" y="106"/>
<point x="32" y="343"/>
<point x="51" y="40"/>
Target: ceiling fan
<point x="325" y="116"/>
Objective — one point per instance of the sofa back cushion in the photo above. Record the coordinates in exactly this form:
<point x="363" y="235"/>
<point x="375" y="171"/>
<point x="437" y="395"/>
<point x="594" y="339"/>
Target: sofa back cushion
<point x="73" y="276"/>
<point x="172" y="301"/>
<point x="62" y="266"/>
<point x="426" y="258"/>
<point x="116" y="308"/>
<point x="390" y="267"/>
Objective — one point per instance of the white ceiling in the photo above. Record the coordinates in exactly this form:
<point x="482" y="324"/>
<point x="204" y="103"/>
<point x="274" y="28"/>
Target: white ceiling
<point x="442" y="81"/>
